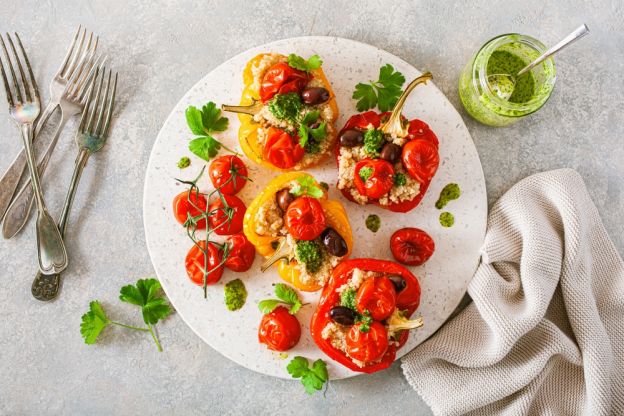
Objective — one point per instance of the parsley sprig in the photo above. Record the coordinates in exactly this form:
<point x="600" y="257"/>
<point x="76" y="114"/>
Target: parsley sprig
<point x="145" y="294"/>
<point x="310" y="132"/>
<point x="382" y="93"/>
<point x="286" y="295"/>
<point x="306" y="186"/>
<point x="313" y="378"/>
<point x="297" y="62"/>
<point x="203" y="123"/>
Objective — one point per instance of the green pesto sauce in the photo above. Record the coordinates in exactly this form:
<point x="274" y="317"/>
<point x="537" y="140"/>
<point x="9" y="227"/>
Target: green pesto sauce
<point x="449" y="193"/>
<point x="504" y="62"/>
<point x="184" y="162"/>
<point x="373" y="222"/>
<point x="235" y="294"/>
<point x="447" y="219"/>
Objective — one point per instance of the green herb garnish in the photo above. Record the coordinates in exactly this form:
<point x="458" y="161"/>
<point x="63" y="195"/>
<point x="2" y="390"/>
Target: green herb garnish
<point x="399" y="179"/>
<point x="382" y="93"/>
<point x="184" y="162"/>
<point x="365" y="173"/>
<point x="449" y="193"/>
<point x="286" y="295"/>
<point x="313" y="378"/>
<point x="286" y="106"/>
<point x="309" y="253"/>
<point x="447" y="219"/>
<point x="235" y="294"/>
<point x="145" y="294"/>
<point x="365" y="320"/>
<point x="347" y="298"/>
<point x="310" y="138"/>
<point x="297" y="62"/>
<point x="373" y="222"/>
<point x="373" y="140"/>
<point x="306" y="186"/>
<point x="202" y="123"/>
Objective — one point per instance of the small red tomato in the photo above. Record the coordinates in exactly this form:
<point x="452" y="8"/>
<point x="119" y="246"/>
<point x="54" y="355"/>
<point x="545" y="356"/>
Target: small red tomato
<point x="226" y="219"/>
<point x="228" y="174"/>
<point x="279" y="330"/>
<point x="418" y="129"/>
<point x="281" y="78"/>
<point x="282" y="149"/>
<point x="377" y="296"/>
<point x="421" y="159"/>
<point x="241" y="253"/>
<point x="196" y="264"/>
<point x="304" y="218"/>
<point x="367" y="346"/>
<point x="411" y="246"/>
<point x="183" y="207"/>
<point x="373" y="177"/>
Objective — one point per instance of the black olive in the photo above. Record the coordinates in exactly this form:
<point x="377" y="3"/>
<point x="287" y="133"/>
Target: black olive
<point x="398" y="282"/>
<point x="284" y="198"/>
<point x="391" y="153"/>
<point x="342" y="315"/>
<point x="351" y="138"/>
<point x="315" y="95"/>
<point x="315" y="125"/>
<point x="334" y="243"/>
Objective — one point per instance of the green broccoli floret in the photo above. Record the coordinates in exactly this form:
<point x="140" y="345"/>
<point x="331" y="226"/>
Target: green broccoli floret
<point x="347" y="299"/>
<point x="309" y="253"/>
<point x="373" y="140"/>
<point x="286" y="106"/>
<point x="399" y="179"/>
<point x="365" y="173"/>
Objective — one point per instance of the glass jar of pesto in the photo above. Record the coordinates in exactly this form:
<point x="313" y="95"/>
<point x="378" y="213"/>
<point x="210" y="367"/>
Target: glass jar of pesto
<point x="506" y="54"/>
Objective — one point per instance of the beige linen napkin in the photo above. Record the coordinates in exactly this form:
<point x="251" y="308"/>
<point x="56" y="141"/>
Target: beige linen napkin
<point x="545" y="331"/>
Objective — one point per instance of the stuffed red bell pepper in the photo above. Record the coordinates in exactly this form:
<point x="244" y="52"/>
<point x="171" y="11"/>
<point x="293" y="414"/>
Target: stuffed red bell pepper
<point x="362" y="318"/>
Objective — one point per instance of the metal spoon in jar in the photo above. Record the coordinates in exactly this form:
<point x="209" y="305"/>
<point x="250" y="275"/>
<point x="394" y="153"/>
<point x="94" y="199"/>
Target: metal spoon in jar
<point x="504" y="84"/>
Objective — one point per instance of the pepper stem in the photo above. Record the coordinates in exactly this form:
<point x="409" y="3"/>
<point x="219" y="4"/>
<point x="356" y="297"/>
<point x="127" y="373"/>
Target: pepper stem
<point x="283" y="252"/>
<point x="252" y="109"/>
<point x="394" y="125"/>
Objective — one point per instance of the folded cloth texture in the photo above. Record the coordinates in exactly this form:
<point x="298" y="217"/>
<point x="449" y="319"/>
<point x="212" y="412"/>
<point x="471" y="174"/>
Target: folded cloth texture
<point x="544" y="334"/>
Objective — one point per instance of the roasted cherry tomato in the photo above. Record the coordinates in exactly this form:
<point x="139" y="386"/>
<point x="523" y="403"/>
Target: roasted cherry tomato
<point x="228" y="174"/>
<point x="377" y="296"/>
<point x="380" y="177"/>
<point x="304" y="218"/>
<point x="282" y="149"/>
<point x="281" y="78"/>
<point x="241" y="253"/>
<point x="196" y="265"/>
<point x="418" y="129"/>
<point x="421" y="159"/>
<point x="279" y="330"/>
<point x="227" y="220"/>
<point x="182" y="207"/>
<point x="411" y="246"/>
<point x="367" y="346"/>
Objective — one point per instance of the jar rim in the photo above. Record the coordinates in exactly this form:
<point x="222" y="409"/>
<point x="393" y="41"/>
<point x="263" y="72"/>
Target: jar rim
<point x="486" y="51"/>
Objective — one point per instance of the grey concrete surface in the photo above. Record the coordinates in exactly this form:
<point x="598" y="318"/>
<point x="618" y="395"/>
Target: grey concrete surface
<point x="161" y="48"/>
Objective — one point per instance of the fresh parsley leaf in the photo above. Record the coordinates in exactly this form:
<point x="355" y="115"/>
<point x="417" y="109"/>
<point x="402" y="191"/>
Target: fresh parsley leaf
<point x="313" y="378"/>
<point x="202" y="123"/>
<point x="286" y="295"/>
<point x="306" y="186"/>
<point x="310" y="138"/>
<point x="382" y="93"/>
<point x="399" y="179"/>
<point x="93" y="322"/>
<point x="297" y="62"/>
<point x="145" y="294"/>
<point x="365" y="173"/>
<point x="205" y="147"/>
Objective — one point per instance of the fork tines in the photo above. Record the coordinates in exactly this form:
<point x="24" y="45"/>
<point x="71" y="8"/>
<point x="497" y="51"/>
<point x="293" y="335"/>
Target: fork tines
<point x="100" y="104"/>
<point x="28" y="91"/>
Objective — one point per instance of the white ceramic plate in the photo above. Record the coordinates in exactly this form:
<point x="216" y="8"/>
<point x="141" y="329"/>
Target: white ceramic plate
<point x="444" y="278"/>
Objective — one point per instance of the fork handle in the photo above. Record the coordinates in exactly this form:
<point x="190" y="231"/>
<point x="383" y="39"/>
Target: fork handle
<point x="46" y="287"/>
<point x="11" y="178"/>
<point x="18" y="212"/>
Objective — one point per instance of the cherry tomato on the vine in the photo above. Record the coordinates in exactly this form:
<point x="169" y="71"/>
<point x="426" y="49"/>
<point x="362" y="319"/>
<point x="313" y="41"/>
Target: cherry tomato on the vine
<point x="279" y="330"/>
<point x="183" y="206"/>
<point x="196" y="264"/>
<point x="227" y="220"/>
<point x="228" y="174"/>
<point x="241" y="253"/>
<point x="305" y="219"/>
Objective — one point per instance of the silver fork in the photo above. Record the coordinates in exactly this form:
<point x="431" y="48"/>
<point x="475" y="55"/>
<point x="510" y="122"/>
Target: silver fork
<point x="72" y="101"/>
<point x="25" y="108"/>
<point x="90" y="138"/>
<point x="73" y="61"/>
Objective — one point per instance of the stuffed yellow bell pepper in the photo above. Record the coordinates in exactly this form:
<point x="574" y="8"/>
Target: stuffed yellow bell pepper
<point x="292" y="223"/>
<point x="287" y="112"/>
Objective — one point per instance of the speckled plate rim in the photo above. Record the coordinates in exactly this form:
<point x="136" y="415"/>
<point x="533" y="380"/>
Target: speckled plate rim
<point x="387" y="57"/>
